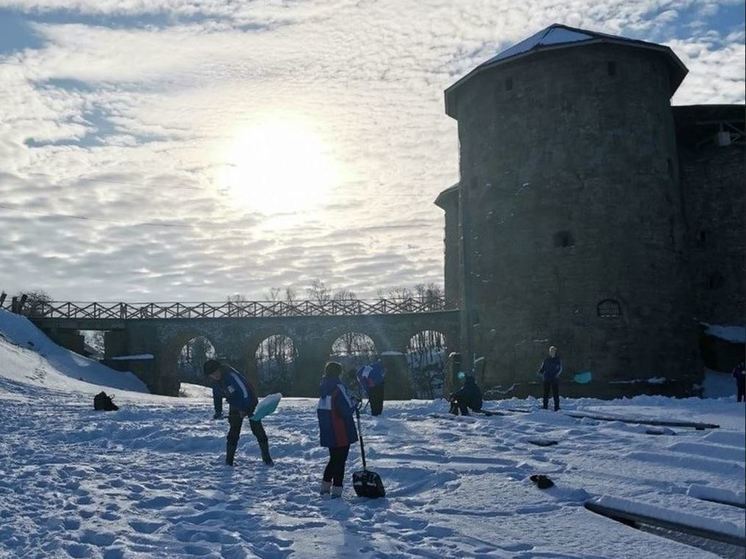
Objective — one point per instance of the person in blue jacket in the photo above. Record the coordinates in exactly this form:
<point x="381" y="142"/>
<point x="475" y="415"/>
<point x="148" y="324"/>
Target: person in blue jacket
<point x="336" y="427"/>
<point x="371" y="379"/>
<point x="228" y="383"/>
<point x="550" y="370"/>
<point x="469" y="396"/>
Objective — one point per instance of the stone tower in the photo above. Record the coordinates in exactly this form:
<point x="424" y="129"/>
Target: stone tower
<point x="570" y="213"/>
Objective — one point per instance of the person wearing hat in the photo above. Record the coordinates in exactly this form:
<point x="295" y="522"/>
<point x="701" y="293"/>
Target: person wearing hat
<point x="468" y="397"/>
<point x="336" y="427"/>
<point x="550" y="370"/>
<point x="228" y="383"/>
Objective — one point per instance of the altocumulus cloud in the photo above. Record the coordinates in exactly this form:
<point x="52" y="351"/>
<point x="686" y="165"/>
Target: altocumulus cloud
<point x="117" y="117"/>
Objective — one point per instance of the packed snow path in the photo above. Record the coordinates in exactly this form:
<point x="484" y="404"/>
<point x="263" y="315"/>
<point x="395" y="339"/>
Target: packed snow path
<point x="148" y="481"/>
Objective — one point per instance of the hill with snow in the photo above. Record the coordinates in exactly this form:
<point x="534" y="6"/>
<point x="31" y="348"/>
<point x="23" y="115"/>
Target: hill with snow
<point x="149" y="480"/>
<point x="27" y="355"/>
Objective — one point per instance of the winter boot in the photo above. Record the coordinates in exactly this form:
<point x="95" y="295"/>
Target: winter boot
<point x="264" y="447"/>
<point x="230" y="452"/>
<point x="336" y="491"/>
<point x="325" y="487"/>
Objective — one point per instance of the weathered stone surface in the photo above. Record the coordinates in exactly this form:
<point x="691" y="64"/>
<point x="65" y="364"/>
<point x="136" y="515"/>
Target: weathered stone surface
<point x="573" y="223"/>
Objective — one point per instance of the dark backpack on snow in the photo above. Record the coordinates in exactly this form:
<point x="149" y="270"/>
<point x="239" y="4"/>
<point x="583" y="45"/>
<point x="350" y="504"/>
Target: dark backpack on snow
<point x="103" y="402"/>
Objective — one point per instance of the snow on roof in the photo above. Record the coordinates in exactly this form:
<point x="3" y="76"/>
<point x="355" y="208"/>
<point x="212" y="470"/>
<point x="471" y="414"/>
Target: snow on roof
<point x="559" y="36"/>
<point x="553" y="35"/>
<point x="733" y="334"/>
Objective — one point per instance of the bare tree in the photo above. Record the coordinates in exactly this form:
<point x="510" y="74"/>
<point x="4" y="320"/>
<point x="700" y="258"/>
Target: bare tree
<point x="290" y="295"/>
<point x="319" y="292"/>
<point x="426" y="357"/>
<point x="400" y="293"/>
<point x="274" y="293"/>
<point x="344" y="295"/>
<point x="353" y="350"/>
<point x="36" y="300"/>
<point x="275" y="359"/>
<point x="192" y="357"/>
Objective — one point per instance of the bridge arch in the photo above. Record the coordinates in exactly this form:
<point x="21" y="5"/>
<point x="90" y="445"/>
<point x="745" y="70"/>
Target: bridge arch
<point x="275" y="359"/>
<point x="427" y="354"/>
<point x="167" y="377"/>
<point x="192" y="357"/>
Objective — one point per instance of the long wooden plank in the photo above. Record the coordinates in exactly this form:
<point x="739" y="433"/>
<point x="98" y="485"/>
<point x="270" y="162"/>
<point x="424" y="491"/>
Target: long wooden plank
<point x="702" y="532"/>
<point x="642" y="421"/>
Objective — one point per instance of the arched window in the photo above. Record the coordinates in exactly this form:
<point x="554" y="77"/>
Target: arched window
<point x="609" y="308"/>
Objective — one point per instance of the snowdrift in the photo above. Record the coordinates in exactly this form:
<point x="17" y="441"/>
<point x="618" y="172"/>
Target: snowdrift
<point x="29" y="356"/>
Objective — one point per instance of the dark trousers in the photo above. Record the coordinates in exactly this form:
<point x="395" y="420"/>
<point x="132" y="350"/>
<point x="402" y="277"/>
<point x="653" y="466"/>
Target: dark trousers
<point x="375" y="396"/>
<point x="236" y="421"/>
<point x="554" y="385"/>
<point x="741" y="386"/>
<point x="335" y="468"/>
<point x="461" y="406"/>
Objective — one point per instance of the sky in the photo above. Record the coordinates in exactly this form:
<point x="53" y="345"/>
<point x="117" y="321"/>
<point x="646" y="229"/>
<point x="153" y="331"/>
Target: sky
<point x="178" y="150"/>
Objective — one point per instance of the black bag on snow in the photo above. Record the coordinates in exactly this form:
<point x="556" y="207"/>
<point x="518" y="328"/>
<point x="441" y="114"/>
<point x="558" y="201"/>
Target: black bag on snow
<point x="103" y="402"/>
<point x="366" y="482"/>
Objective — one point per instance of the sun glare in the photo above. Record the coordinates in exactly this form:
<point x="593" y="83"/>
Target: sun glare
<point x="278" y="166"/>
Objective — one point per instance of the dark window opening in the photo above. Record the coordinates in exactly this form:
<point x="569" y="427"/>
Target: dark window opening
<point x="702" y="237"/>
<point x="611" y="68"/>
<point x="609" y="308"/>
<point x="715" y="281"/>
<point x="509" y="84"/>
<point x="669" y="163"/>
<point x="563" y="239"/>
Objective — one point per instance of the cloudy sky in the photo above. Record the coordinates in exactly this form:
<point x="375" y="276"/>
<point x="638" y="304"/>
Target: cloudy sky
<point x="187" y="150"/>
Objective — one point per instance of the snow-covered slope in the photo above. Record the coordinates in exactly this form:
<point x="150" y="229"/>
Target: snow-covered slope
<point x="27" y="355"/>
<point x="148" y="481"/>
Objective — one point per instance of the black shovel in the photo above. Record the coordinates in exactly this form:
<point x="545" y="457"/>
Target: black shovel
<point x="366" y="483"/>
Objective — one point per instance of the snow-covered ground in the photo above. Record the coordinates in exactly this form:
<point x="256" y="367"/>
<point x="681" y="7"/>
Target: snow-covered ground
<point x="148" y="480"/>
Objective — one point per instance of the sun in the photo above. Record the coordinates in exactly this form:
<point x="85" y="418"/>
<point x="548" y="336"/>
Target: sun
<point x="278" y="166"/>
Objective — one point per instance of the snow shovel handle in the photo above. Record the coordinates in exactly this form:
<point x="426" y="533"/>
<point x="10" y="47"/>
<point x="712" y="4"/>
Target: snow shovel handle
<point x="360" y="436"/>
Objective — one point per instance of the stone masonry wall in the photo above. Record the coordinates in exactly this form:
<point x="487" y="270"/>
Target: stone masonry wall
<point x="572" y="217"/>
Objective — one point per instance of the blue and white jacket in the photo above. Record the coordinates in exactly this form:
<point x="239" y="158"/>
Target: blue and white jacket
<point x="551" y="368"/>
<point x="234" y="387"/>
<point x="336" y="425"/>
<point x="371" y="375"/>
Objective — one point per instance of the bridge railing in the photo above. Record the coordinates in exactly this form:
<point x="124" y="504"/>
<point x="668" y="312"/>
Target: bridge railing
<point x="232" y="309"/>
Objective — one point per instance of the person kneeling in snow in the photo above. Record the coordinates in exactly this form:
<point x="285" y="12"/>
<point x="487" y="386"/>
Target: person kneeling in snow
<point x="371" y="379"/>
<point x="469" y="396"/>
<point x="336" y="427"/>
<point x="228" y="383"/>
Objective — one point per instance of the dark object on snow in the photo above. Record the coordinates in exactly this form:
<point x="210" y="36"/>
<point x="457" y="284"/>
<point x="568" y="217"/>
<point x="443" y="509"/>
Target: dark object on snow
<point x="366" y="482"/>
<point x="103" y="402"/>
<point x="469" y="396"/>
<point x="542" y="481"/>
<point x="542" y="442"/>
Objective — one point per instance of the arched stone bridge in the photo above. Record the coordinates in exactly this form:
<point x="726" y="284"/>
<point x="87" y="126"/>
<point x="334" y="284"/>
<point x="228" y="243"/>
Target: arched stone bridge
<point x="236" y="334"/>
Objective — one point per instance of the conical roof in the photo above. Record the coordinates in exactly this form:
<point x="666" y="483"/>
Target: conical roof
<point x="562" y="36"/>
